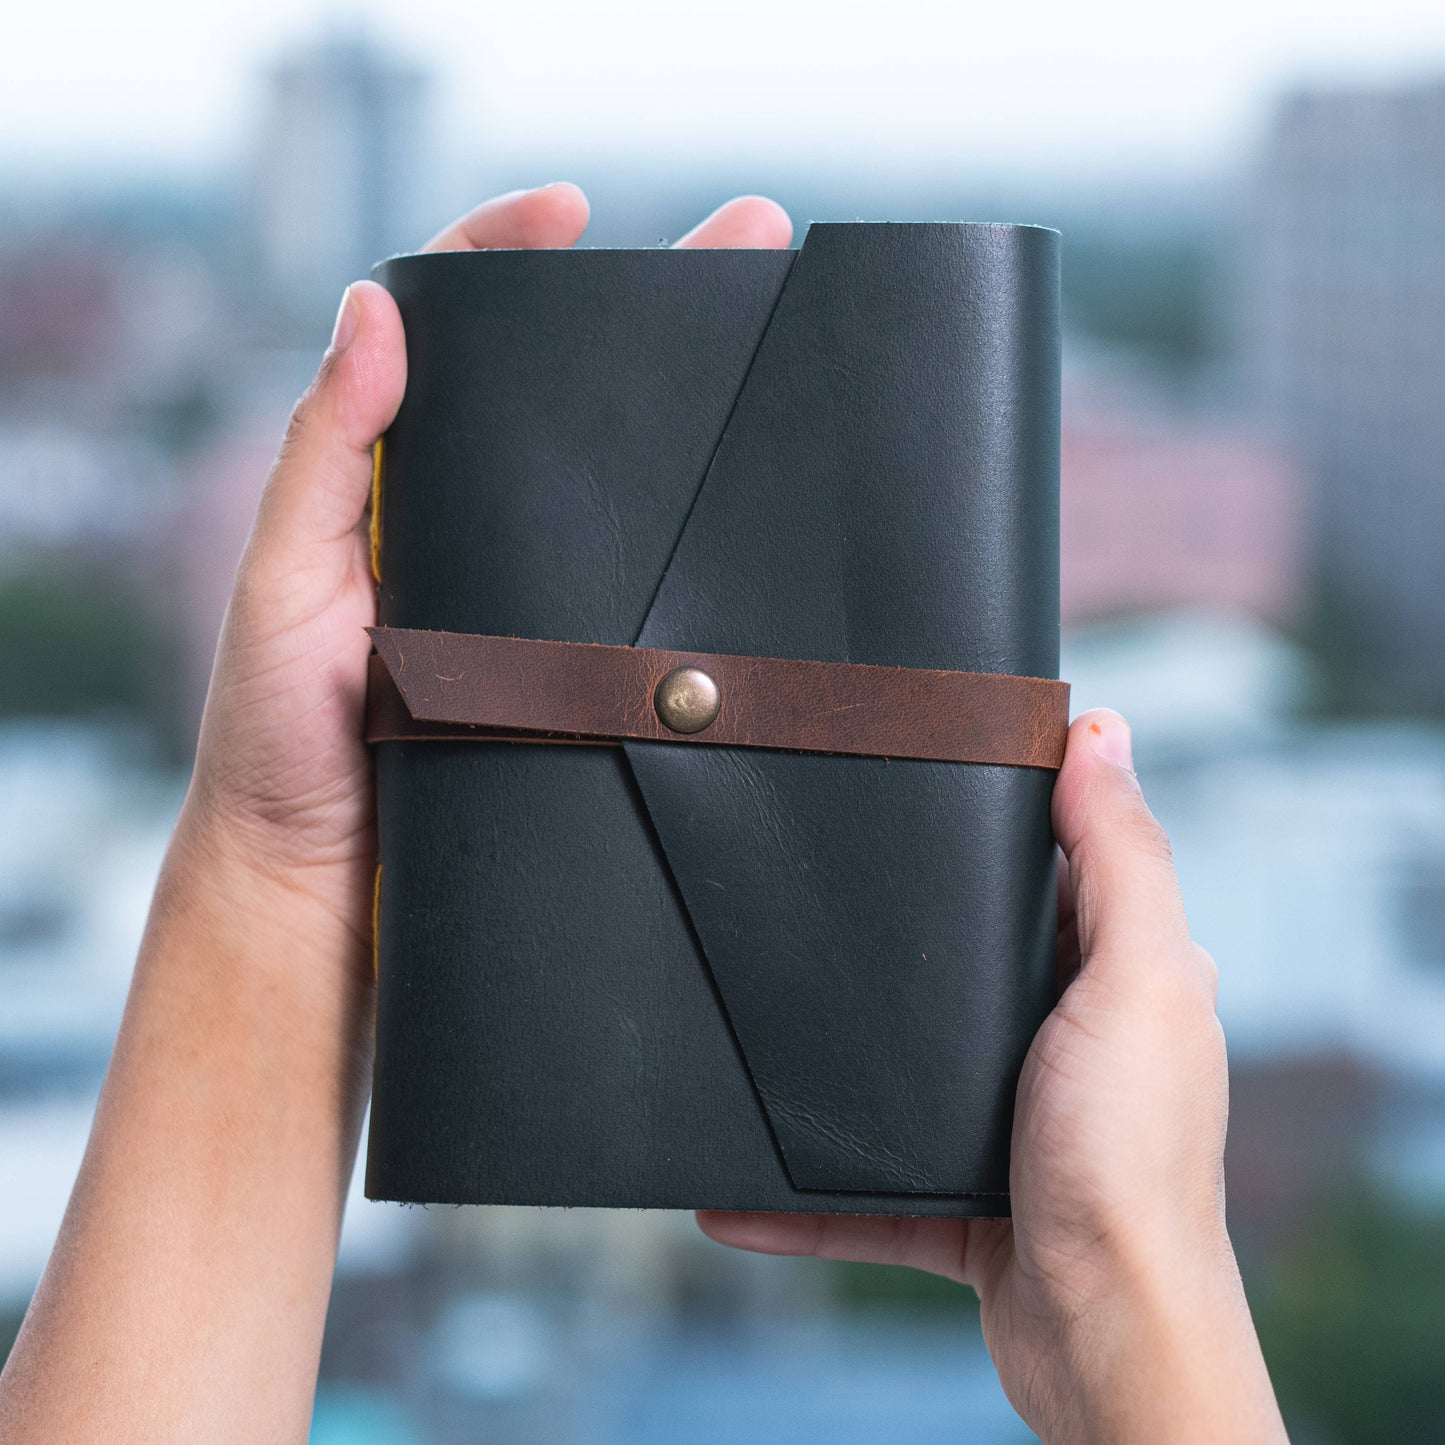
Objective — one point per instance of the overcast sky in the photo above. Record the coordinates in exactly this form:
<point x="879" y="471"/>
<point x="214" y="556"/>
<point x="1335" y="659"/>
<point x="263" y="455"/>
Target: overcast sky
<point x="1046" y="88"/>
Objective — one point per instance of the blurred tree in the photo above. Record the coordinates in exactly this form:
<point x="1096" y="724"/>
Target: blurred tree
<point x="881" y="1286"/>
<point x="183" y="420"/>
<point x="77" y="642"/>
<point x="1352" y="1319"/>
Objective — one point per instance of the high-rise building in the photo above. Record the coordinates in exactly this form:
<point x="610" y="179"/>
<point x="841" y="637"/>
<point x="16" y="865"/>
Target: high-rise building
<point x="1343" y="330"/>
<point x="339" y="159"/>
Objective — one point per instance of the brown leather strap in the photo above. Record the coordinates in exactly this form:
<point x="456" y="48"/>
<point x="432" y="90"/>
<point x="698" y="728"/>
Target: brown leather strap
<point x="452" y="685"/>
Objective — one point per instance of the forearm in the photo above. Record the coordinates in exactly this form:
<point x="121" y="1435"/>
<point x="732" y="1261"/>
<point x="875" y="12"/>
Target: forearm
<point x="188" y="1289"/>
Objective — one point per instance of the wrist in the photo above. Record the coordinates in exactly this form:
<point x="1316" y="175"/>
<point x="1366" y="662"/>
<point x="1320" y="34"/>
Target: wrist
<point x="253" y="997"/>
<point x="1167" y="1351"/>
<point x="241" y="865"/>
<point x="225" y="905"/>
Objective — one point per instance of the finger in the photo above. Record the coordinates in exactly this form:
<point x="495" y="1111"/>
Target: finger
<point x="1127" y="904"/>
<point x="321" y="482"/>
<point x="958" y="1249"/>
<point x="547" y="217"/>
<point x="747" y="222"/>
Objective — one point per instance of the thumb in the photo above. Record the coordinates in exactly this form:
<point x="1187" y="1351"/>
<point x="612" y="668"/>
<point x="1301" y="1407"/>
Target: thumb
<point x="1126" y="896"/>
<point x="317" y="493"/>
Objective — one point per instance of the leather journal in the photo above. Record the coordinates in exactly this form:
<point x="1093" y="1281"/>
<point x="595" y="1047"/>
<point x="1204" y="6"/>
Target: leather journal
<point x="715" y="713"/>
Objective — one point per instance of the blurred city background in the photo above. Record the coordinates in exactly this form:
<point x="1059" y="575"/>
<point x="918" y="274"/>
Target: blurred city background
<point x="1253" y="207"/>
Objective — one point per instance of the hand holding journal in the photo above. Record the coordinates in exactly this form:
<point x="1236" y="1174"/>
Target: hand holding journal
<point x="716" y="717"/>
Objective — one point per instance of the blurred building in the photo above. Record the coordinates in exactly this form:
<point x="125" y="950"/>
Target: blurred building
<point x="57" y="301"/>
<point x="1312" y="859"/>
<point x="1162" y="511"/>
<point x="1343" y="308"/>
<point x="338" y="169"/>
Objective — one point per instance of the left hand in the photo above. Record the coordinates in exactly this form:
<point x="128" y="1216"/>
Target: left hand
<point x="282" y="775"/>
<point x="186" y="1295"/>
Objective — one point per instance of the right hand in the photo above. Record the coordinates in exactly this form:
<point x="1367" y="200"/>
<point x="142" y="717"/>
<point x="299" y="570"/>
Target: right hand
<point x="1111" y="1302"/>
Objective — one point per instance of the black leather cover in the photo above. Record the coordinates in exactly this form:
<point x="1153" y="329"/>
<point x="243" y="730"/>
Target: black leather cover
<point x="677" y="976"/>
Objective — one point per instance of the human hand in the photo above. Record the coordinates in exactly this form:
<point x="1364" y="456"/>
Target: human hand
<point x="1110" y="1302"/>
<point x="202" y="1231"/>
<point x="282" y="776"/>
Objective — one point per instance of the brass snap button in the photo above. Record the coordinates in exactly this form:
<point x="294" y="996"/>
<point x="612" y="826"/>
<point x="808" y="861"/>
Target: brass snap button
<point x="687" y="700"/>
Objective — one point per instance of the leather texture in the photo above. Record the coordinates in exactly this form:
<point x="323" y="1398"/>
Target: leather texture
<point x="513" y="686"/>
<point x="720" y="976"/>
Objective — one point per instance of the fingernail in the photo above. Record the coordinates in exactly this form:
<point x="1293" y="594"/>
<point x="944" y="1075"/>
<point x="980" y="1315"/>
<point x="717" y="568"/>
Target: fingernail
<point x="344" y="331"/>
<point x="1112" y="740"/>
